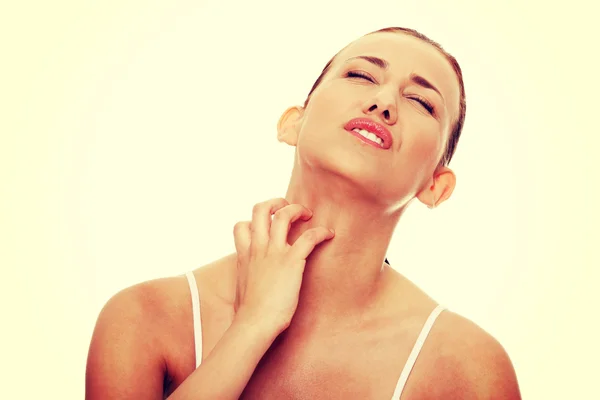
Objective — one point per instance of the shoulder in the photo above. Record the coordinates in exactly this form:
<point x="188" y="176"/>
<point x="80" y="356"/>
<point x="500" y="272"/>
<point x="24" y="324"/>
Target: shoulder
<point x="145" y="332"/>
<point x="160" y="300"/>
<point x="125" y="348"/>
<point x="141" y="304"/>
<point x="150" y="305"/>
<point x="469" y="361"/>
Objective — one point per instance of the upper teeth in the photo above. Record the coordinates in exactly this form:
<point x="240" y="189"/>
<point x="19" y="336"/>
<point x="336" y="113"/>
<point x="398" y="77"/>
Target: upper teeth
<point x="369" y="135"/>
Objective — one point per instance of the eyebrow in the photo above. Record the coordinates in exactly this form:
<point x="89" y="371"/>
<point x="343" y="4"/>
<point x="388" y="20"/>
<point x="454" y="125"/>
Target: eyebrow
<point x="416" y="79"/>
<point x="419" y="80"/>
<point x="381" y="63"/>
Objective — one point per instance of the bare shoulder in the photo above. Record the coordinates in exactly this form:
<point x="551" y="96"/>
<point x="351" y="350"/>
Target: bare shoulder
<point x="125" y="359"/>
<point x="466" y="362"/>
<point x="143" y="340"/>
<point x="162" y="301"/>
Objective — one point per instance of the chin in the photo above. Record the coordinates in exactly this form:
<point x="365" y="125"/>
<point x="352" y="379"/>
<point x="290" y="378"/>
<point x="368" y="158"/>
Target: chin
<point x="344" y="164"/>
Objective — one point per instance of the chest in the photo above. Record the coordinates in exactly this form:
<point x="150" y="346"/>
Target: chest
<point x="353" y="362"/>
<point x="336" y="367"/>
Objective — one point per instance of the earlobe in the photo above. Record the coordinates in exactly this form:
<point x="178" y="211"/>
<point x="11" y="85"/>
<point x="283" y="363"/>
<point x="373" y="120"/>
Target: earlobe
<point x="444" y="182"/>
<point x="288" y="126"/>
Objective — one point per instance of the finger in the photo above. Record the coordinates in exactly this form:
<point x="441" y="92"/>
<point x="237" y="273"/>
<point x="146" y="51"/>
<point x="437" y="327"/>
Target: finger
<point x="282" y="222"/>
<point x="307" y="242"/>
<point x="242" y="237"/>
<point x="261" y="223"/>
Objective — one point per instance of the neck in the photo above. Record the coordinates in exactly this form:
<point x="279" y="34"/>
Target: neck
<point x="344" y="277"/>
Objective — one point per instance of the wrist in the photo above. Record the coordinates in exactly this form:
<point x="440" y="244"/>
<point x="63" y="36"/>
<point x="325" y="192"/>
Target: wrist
<point x="259" y="325"/>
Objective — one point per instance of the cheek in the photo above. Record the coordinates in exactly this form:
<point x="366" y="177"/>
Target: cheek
<point x="323" y="116"/>
<point x="329" y="102"/>
<point x="422" y="149"/>
<point x="322" y="108"/>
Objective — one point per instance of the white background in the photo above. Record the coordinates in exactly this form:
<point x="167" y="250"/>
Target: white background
<point x="134" y="134"/>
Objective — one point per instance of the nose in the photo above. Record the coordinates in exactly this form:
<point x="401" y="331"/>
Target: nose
<point x="384" y="107"/>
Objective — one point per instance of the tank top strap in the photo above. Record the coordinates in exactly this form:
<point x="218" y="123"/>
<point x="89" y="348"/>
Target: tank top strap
<point x="196" y="316"/>
<point x="414" y="354"/>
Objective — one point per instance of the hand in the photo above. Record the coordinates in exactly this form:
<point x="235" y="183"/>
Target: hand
<point x="269" y="269"/>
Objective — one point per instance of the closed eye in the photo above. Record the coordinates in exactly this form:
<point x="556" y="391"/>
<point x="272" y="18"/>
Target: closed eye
<point x="360" y="75"/>
<point x="426" y="105"/>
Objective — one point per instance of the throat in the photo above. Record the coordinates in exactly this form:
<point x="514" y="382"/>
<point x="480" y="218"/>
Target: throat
<point x="339" y="296"/>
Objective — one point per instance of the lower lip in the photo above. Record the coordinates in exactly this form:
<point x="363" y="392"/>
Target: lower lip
<point x="367" y="141"/>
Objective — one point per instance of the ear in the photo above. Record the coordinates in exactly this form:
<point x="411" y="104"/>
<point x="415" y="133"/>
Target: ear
<point x="288" y="126"/>
<point x="440" y="189"/>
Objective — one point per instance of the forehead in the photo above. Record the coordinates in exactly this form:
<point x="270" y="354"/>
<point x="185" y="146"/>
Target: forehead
<point x="406" y="55"/>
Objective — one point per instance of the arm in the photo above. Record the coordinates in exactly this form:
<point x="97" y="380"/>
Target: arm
<point x="125" y="360"/>
<point x="269" y="276"/>
<point x="495" y="373"/>
<point x="229" y="366"/>
<point x="122" y="361"/>
<point x="472" y="364"/>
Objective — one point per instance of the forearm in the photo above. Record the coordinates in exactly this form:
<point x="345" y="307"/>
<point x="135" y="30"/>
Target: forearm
<point x="229" y="366"/>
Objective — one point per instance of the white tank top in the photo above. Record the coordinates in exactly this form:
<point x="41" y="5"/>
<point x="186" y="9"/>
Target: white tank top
<point x="410" y="362"/>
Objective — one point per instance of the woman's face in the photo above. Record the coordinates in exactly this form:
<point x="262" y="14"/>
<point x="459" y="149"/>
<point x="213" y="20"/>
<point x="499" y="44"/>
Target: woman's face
<point x="397" y="84"/>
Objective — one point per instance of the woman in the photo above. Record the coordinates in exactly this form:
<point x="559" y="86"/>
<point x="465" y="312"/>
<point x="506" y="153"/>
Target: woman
<point x="307" y="308"/>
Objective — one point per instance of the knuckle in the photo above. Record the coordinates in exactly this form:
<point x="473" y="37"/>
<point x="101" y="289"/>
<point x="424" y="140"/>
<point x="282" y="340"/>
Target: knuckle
<point x="296" y="208"/>
<point x="278" y="202"/>
<point x="266" y="207"/>
<point x="292" y="210"/>
<point x="311" y="235"/>
<point x="282" y="213"/>
<point x="237" y="227"/>
<point x="278" y="215"/>
<point x="240" y="227"/>
<point x="257" y="207"/>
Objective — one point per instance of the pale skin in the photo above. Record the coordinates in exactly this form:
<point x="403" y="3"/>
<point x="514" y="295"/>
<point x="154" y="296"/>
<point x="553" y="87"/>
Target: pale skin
<point x="301" y="312"/>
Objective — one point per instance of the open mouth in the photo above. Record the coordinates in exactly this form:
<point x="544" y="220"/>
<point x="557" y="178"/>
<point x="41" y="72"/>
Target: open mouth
<point x="369" y="136"/>
<point x="370" y="132"/>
